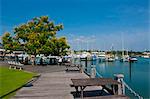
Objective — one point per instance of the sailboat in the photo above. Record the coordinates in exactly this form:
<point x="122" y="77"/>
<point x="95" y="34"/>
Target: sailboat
<point x="125" y="58"/>
<point x="111" y="57"/>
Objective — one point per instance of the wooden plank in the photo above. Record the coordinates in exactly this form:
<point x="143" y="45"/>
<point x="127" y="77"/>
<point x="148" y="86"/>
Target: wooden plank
<point x="53" y="85"/>
<point x="94" y="82"/>
<point x="108" y="97"/>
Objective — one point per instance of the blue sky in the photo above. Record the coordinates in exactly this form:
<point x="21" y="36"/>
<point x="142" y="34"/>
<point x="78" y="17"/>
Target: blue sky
<point x="88" y="24"/>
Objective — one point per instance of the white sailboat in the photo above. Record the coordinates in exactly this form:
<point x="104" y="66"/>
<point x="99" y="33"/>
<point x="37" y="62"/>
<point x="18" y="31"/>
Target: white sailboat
<point x="111" y="57"/>
<point x="125" y="58"/>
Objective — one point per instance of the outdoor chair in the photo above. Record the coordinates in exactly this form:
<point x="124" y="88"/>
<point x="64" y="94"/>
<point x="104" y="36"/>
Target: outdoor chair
<point x="15" y="65"/>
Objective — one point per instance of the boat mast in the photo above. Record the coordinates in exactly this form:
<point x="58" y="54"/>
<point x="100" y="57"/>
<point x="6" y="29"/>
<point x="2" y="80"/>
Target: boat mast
<point x="87" y="46"/>
<point x="122" y="45"/>
<point x="127" y="52"/>
<point x="112" y="48"/>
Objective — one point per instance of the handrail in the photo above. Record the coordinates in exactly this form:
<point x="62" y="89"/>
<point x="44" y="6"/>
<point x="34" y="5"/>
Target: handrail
<point x="131" y="90"/>
<point x="99" y="75"/>
<point x="126" y="85"/>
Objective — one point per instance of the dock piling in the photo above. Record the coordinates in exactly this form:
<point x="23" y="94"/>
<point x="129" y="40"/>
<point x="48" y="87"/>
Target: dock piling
<point x="93" y="71"/>
<point x="121" y="87"/>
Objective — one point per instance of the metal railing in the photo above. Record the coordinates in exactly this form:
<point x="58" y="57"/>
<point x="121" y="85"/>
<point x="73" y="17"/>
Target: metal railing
<point x="99" y="75"/>
<point x="126" y="85"/>
<point x="131" y="90"/>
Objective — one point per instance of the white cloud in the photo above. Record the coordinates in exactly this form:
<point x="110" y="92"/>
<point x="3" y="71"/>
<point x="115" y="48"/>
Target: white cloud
<point x="131" y="41"/>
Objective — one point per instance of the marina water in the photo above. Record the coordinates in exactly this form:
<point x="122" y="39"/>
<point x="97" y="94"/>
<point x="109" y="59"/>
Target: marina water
<point x="137" y="74"/>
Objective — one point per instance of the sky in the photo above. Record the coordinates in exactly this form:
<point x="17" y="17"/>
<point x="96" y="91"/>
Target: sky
<point x="88" y="24"/>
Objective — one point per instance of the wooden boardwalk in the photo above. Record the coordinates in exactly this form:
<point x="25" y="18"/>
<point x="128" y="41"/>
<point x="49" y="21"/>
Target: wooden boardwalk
<point x="54" y="85"/>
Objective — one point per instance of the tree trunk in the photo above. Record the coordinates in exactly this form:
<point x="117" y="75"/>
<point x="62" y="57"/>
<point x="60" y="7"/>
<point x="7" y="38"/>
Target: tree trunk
<point x="4" y="54"/>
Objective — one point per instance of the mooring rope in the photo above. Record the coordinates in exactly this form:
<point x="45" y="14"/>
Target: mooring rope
<point x="99" y="75"/>
<point x="126" y="85"/>
<point x="131" y="90"/>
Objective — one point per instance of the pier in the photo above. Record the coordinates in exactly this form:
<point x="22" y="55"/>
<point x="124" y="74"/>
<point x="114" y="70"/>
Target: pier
<point x="55" y="83"/>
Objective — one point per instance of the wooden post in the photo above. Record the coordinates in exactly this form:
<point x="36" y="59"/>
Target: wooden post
<point x="121" y="87"/>
<point x="93" y="71"/>
<point x="82" y="90"/>
<point x="81" y="69"/>
<point x="15" y="67"/>
<point x="81" y="93"/>
<point x="86" y="64"/>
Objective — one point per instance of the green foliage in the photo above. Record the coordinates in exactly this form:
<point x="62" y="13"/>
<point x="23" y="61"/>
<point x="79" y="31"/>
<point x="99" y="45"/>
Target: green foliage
<point x="12" y="79"/>
<point x="59" y="45"/>
<point x="38" y="36"/>
<point x="7" y="41"/>
<point x="10" y="43"/>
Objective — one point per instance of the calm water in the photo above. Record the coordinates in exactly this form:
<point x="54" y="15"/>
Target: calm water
<point x="137" y="74"/>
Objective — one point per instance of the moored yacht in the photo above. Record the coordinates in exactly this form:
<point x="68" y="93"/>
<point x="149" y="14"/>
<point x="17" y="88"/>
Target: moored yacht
<point x="146" y="55"/>
<point x="125" y="58"/>
<point x="101" y="56"/>
<point x="132" y="59"/>
<point x="94" y="56"/>
<point x="110" y="59"/>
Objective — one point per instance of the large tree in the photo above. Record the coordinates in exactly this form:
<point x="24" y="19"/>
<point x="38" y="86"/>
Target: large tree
<point x="59" y="46"/>
<point x="39" y="36"/>
<point x="10" y="43"/>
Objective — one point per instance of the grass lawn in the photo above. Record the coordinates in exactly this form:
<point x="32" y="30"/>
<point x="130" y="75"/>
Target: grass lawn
<point x="11" y="79"/>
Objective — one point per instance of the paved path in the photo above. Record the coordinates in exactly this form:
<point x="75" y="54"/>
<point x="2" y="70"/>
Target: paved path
<point x="38" y="68"/>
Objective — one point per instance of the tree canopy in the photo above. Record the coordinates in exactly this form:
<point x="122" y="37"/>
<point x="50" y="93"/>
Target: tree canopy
<point x="10" y="43"/>
<point x="37" y="36"/>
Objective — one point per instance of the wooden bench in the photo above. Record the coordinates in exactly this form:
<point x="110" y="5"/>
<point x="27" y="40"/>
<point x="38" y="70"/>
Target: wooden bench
<point x="84" y="82"/>
<point x="107" y="97"/>
<point x="72" y="67"/>
<point x="15" y="65"/>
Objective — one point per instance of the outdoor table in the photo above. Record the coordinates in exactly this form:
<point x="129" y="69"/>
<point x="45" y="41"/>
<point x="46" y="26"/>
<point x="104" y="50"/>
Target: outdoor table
<point x="84" y="82"/>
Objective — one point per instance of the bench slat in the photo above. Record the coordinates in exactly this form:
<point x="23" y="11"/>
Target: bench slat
<point x="107" y="97"/>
